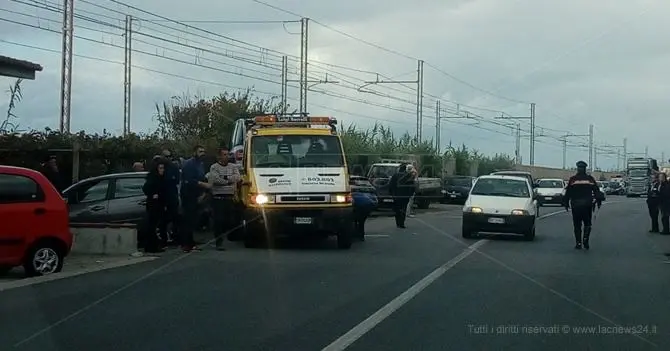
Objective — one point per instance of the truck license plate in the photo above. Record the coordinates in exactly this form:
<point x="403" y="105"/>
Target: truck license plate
<point x="453" y="196"/>
<point x="303" y="220"/>
<point x="388" y="200"/>
<point x="548" y="198"/>
<point x="497" y="220"/>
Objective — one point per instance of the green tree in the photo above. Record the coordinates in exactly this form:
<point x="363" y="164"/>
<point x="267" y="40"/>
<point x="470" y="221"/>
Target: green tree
<point x="15" y="96"/>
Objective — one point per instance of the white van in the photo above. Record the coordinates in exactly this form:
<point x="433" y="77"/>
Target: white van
<point x="500" y="204"/>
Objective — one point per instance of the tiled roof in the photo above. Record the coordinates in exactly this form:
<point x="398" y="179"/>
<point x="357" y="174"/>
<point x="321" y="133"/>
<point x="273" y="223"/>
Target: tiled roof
<point x="4" y="60"/>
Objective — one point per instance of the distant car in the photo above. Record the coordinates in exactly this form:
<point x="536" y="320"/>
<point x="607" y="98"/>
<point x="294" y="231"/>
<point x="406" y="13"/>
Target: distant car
<point x="110" y="198"/>
<point x="617" y="188"/>
<point x="523" y="174"/>
<point x="550" y="191"/>
<point x="35" y="230"/>
<point x="603" y="188"/>
<point x="500" y="204"/>
<point x="456" y="188"/>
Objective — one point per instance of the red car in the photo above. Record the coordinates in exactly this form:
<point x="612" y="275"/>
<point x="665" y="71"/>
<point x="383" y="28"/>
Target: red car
<point x="34" y="223"/>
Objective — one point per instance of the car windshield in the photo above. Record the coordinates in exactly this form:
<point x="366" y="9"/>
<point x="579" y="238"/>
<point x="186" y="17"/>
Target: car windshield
<point x="501" y="187"/>
<point x="458" y="181"/>
<point x="550" y="184"/>
<point x="296" y="151"/>
<point x="361" y="182"/>
<point x="383" y="171"/>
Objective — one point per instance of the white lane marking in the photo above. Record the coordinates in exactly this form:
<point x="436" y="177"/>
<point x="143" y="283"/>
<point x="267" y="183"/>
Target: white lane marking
<point x="540" y="284"/>
<point x="373" y="320"/>
<point x="376" y="236"/>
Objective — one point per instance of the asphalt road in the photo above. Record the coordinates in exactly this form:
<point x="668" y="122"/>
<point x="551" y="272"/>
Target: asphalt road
<point x="420" y="288"/>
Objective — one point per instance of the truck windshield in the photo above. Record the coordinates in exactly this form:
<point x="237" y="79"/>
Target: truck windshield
<point x="638" y="172"/>
<point x="383" y="171"/>
<point x="290" y="151"/>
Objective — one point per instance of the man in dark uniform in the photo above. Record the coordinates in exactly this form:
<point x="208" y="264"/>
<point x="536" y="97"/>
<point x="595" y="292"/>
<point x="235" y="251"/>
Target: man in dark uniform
<point x="401" y="187"/>
<point x="580" y="194"/>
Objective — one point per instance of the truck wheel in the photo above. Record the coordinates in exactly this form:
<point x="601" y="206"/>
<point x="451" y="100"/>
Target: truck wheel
<point x="423" y="204"/>
<point x="344" y="237"/>
<point x="529" y="235"/>
<point x="466" y="232"/>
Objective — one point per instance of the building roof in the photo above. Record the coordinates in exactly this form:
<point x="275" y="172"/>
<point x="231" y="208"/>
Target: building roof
<point x="4" y="60"/>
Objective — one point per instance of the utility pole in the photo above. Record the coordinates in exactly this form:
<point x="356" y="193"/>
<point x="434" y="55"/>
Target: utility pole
<point x="662" y="163"/>
<point x="532" y="130"/>
<point x="564" y="140"/>
<point x="439" y="117"/>
<point x="419" y="101"/>
<point x="591" y="147"/>
<point x="419" y="94"/>
<point x="304" y="39"/>
<point x="618" y="160"/>
<point x="646" y="151"/>
<point x="517" y="149"/>
<point x="127" y="64"/>
<point x="625" y="153"/>
<point x="284" y="82"/>
<point x="66" y="66"/>
<point x="303" y="81"/>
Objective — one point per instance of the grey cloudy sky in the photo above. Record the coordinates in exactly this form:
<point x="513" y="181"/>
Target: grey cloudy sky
<point x="581" y="62"/>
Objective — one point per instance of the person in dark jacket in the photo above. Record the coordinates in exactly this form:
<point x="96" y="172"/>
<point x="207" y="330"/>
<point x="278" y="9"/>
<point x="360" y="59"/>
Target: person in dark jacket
<point x="193" y="185"/>
<point x="580" y="194"/>
<point x="364" y="203"/>
<point x="653" y="202"/>
<point x="156" y="190"/>
<point x="51" y="172"/>
<point x="173" y="177"/>
<point x="401" y="187"/>
<point x="664" y="203"/>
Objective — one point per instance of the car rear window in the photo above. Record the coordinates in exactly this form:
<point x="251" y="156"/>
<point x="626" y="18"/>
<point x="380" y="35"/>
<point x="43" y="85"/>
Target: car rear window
<point x="17" y="189"/>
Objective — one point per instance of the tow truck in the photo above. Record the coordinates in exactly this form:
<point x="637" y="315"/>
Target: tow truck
<point x="295" y="180"/>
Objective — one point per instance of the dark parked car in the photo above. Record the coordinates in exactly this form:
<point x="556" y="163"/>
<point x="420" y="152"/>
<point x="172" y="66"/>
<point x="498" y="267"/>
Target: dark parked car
<point x="110" y="198"/>
<point x="456" y="188"/>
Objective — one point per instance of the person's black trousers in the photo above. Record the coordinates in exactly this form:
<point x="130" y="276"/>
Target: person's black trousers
<point x="653" y="214"/>
<point x="360" y="216"/>
<point x="171" y="216"/>
<point x="155" y="214"/>
<point x="189" y="221"/>
<point x="224" y="213"/>
<point x="582" y="215"/>
<point x="400" y="209"/>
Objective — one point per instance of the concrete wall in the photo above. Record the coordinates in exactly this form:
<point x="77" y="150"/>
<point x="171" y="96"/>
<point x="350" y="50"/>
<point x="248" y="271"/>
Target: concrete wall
<point x="548" y="172"/>
<point x="104" y="239"/>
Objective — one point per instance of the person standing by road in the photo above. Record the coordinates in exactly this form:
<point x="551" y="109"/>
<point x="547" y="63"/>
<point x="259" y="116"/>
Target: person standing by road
<point x="51" y="172"/>
<point x="193" y="185"/>
<point x="653" y="202"/>
<point x="156" y="190"/>
<point x="410" y="205"/>
<point x="580" y="194"/>
<point x="664" y="203"/>
<point x="223" y="177"/>
<point x="401" y="187"/>
<point x="172" y="177"/>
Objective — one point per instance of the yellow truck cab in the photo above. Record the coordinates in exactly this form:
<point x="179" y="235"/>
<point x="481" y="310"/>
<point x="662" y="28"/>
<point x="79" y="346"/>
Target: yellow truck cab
<point x="295" y="180"/>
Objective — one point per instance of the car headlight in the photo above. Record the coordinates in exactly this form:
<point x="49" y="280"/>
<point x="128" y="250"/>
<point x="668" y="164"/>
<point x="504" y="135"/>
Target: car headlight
<point x="474" y="210"/>
<point x="519" y="212"/>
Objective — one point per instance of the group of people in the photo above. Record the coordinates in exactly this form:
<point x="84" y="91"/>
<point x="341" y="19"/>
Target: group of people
<point x="658" y="202"/>
<point x="169" y="189"/>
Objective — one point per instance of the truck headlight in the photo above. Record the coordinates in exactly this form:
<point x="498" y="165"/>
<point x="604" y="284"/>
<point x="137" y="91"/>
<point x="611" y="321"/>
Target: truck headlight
<point x="474" y="210"/>
<point x="260" y="199"/>
<point x="341" y="198"/>
<point x="519" y="212"/>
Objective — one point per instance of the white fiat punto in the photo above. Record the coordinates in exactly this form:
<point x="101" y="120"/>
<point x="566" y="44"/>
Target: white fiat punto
<point x="500" y="204"/>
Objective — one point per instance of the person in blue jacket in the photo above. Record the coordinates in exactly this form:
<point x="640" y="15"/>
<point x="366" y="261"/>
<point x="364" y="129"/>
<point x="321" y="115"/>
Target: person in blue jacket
<point x="364" y="201"/>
